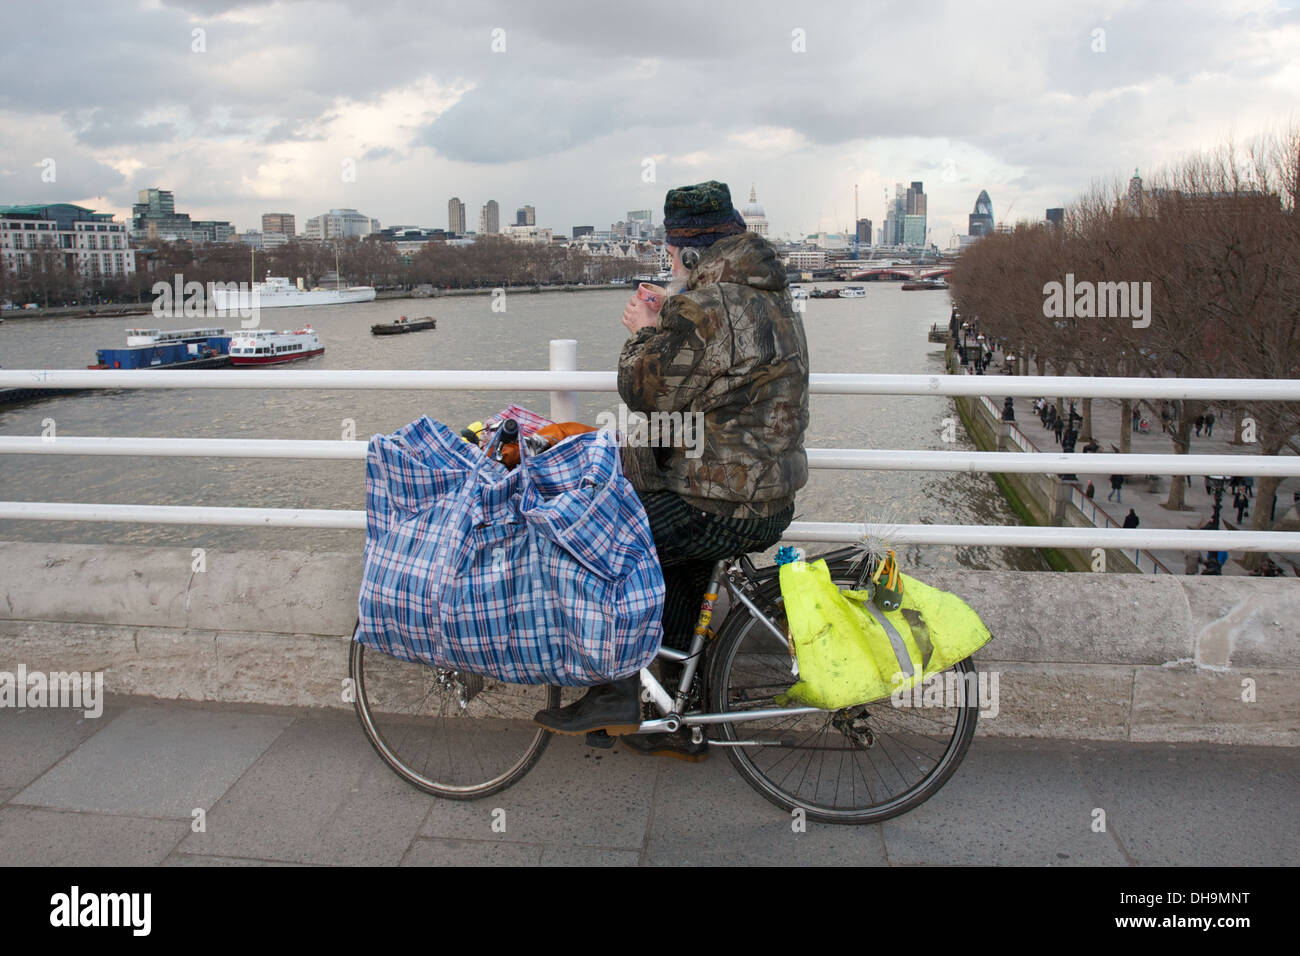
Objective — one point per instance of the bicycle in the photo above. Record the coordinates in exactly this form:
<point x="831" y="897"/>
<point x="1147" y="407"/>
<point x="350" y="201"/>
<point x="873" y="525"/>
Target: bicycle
<point x="463" y="736"/>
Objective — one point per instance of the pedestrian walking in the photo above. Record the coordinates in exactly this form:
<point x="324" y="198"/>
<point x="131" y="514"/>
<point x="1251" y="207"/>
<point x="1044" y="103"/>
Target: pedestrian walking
<point x="1116" y="488"/>
<point x="1091" y="490"/>
<point x="1165" y="417"/>
<point x="1199" y="423"/>
<point x="1058" y="428"/>
<point x="1209" y="424"/>
<point x="1137" y="417"/>
<point x="1131" y="520"/>
<point x="1240" y="502"/>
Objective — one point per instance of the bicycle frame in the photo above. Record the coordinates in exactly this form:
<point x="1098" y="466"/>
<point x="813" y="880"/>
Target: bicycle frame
<point x="731" y="573"/>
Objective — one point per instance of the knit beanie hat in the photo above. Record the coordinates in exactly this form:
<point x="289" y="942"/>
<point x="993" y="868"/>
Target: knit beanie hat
<point x="700" y="215"/>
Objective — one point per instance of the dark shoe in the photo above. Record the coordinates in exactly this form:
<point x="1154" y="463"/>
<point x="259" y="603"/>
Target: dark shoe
<point x="614" y="708"/>
<point x="676" y="745"/>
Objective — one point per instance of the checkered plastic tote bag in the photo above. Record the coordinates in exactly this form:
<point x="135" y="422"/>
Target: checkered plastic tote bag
<point x="546" y="574"/>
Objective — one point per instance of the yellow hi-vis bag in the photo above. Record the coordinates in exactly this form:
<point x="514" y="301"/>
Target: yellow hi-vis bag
<point x="851" y="652"/>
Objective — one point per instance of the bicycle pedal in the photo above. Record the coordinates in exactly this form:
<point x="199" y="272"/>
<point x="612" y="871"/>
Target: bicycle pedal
<point x="600" y="740"/>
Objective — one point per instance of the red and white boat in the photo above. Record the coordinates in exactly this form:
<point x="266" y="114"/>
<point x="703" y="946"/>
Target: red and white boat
<point x="264" y="347"/>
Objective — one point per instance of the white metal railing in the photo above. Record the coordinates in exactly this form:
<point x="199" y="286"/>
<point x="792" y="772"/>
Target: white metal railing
<point x="807" y="531"/>
<point x="848" y="459"/>
<point x="523" y="380"/>
<point x="1022" y="441"/>
<point x="563" y="381"/>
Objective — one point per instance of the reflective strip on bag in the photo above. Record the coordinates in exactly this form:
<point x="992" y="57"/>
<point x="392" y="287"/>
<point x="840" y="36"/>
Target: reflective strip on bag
<point x="895" y="640"/>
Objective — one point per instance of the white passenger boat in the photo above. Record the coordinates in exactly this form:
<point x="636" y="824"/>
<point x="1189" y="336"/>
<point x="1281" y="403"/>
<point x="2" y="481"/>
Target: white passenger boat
<point x="264" y="347"/>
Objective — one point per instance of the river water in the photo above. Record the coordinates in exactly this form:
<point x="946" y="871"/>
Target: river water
<point x="884" y="332"/>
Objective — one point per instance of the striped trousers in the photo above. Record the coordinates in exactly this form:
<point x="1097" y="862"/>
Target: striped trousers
<point x="689" y="541"/>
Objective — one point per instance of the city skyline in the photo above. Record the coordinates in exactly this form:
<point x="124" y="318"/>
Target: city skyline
<point x="187" y="99"/>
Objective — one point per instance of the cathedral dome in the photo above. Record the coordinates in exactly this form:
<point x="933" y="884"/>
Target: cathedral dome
<point x="753" y="214"/>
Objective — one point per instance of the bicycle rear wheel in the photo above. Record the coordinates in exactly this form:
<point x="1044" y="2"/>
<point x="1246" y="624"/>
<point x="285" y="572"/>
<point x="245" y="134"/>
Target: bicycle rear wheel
<point x="453" y="735"/>
<point x="862" y="764"/>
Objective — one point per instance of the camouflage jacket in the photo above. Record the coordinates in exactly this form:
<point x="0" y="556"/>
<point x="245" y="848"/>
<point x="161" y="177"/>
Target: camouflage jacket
<point x="729" y="354"/>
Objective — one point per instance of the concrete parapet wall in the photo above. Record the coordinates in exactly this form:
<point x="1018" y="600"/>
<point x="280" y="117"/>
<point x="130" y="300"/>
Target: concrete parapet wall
<point x="1100" y="656"/>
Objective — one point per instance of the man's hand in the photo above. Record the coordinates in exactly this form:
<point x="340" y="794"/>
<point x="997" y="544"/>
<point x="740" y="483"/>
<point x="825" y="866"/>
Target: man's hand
<point x="638" y="315"/>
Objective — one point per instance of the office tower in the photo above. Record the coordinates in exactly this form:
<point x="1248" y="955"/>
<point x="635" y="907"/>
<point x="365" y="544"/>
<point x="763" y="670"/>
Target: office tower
<point x="278" y="222"/>
<point x="455" y="216"/>
<point x="915" y="201"/>
<point x="980" y="222"/>
<point x="914" y="216"/>
<point x="914" y="234"/>
<point x="489" y="218"/>
<point x="340" y="224"/>
<point x="898" y="211"/>
<point x="155" y="218"/>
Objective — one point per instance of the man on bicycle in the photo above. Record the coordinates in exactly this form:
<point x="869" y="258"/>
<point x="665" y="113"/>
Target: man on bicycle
<point x="726" y="351"/>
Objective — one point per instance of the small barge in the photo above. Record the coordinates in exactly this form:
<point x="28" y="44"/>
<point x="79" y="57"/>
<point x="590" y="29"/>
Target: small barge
<point x="404" y="325"/>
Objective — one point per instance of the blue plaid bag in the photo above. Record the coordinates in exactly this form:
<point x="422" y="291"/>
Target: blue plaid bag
<point x="546" y="574"/>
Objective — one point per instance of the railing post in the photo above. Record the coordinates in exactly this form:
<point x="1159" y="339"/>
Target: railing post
<point x="1061" y="500"/>
<point x="564" y="358"/>
<point x="1004" y="437"/>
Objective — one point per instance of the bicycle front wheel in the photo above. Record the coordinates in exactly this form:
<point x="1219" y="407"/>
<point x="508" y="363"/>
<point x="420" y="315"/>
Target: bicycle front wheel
<point x="459" y="736"/>
<point x="861" y="764"/>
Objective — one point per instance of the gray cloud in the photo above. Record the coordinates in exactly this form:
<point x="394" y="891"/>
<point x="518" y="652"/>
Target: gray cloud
<point x="584" y="89"/>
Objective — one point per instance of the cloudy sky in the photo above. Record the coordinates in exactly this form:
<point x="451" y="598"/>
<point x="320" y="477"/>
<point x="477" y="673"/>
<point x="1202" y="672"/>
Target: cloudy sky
<point x="391" y="107"/>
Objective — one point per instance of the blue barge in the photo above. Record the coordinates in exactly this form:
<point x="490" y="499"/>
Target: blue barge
<point x="172" y="348"/>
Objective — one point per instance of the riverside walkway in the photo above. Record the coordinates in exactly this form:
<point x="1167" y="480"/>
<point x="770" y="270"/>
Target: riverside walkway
<point x="282" y="787"/>
<point x="1148" y="504"/>
<point x="1138" y="493"/>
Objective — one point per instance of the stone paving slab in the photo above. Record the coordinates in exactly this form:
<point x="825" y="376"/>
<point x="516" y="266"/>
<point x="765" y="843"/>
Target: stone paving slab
<point x="192" y="860"/>
<point x="33" y="741"/>
<point x="1170" y="805"/>
<point x="707" y="815"/>
<point x="32" y="837"/>
<point x="157" y="761"/>
<point x="588" y="856"/>
<point x="318" y="795"/>
<point x="574" y="796"/>
<point x="443" y="852"/>
<point x="1011" y="803"/>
